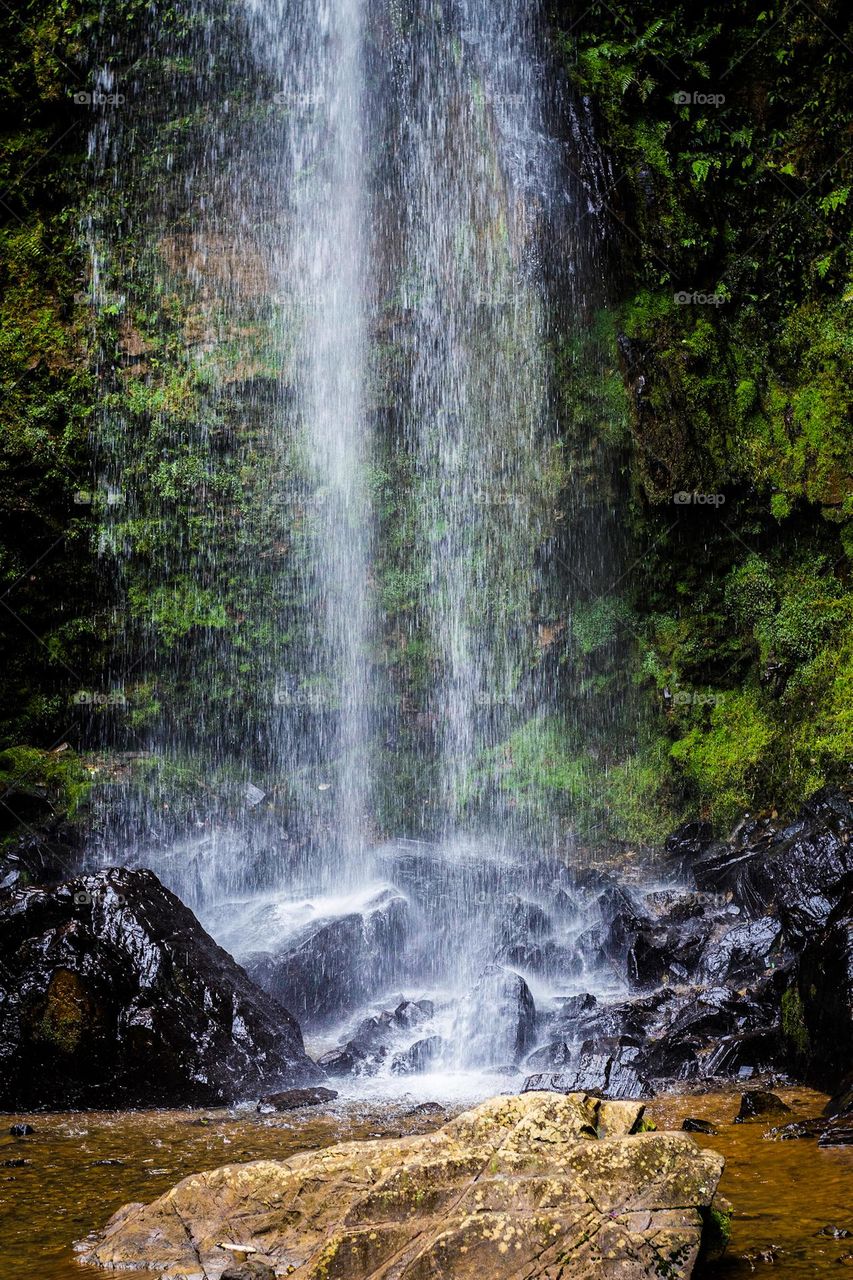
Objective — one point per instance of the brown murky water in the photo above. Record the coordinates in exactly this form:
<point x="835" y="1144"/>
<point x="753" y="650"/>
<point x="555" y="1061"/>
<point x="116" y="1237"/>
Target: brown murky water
<point x="81" y="1167"/>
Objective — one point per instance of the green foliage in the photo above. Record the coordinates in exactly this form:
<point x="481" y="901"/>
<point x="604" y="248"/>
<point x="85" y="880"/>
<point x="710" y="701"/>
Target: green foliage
<point x="49" y="635"/>
<point x="543" y="769"/>
<point x="57" y="779"/>
<point x="731" y="200"/>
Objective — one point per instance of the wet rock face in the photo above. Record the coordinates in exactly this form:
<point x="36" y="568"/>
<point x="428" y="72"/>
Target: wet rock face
<point x="112" y="994"/>
<point x="497" y="1019"/>
<point x="332" y="967"/>
<point x="749" y="971"/>
<point x="826" y="991"/>
<point x="608" y="1075"/>
<point x="538" y="1185"/>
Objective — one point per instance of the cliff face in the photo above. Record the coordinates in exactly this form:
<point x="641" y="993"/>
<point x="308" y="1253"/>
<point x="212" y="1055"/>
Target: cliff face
<point x="723" y="376"/>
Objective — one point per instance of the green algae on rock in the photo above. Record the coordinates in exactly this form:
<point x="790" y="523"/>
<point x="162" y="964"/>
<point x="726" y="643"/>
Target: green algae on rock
<point x="519" y="1185"/>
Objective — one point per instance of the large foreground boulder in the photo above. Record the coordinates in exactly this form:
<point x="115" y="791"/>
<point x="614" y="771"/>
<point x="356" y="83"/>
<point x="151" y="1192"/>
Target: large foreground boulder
<point x="112" y="994"/>
<point x="540" y="1186"/>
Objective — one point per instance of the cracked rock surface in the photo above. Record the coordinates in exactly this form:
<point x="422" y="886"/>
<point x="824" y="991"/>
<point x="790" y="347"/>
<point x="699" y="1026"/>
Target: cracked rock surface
<point x="540" y="1186"/>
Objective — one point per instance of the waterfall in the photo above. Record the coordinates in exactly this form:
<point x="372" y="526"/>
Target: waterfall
<point x="347" y="493"/>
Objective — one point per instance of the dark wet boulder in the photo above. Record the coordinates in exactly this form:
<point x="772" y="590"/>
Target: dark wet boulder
<point x="825" y="983"/>
<point x="413" y="1013"/>
<point x="333" y="966"/>
<point x="640" y="1016"/>
<point x="372" y="1035"/>
<point x="549" y="1057"/>
<point x="293" y="1099"/>
<point x="564" y="904"/>
<point x="601" y="1074"/>
<point x="841" y="1102"/>
<point x="496" y="1022"/>
<point x="747" y="1054"/>
<point x="686" y="844"/>
<point x="521" y="920"/>
<point x="668" y="947"/>
<point x="21" y="1130"/>
<point x="710" y="1013"/>
<point x="622" y="918"/>
<point x="692" y="1125"/>
<point x="671" y="1059"/>
<point x="51" y="854"/>
<point x="419" y="1057"/>
<point x="739" y="953"/>
<point x="796" y="1130"/>
<point x="570" y="1008"/>
<point x="342" y="1061"/>
<point x="589" y="945"/>
<point x="546" y="959"/>
<point x="736" y="869"/>
<point x="756" y="1104"/>
<point x="801" y="869"/>
<point x="838" y="1133"/>
<point x="426" y="1109"/>
<point x="112" y="994"/>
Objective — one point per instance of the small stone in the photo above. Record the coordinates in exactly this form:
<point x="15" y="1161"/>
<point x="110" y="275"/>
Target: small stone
<point x="426" y="1109"/>
<point x="251" y="1269"/>
<point x="757" y="1103"/>
<point x="837" y="1136"/>
<point x="421" y="1056"/>
<point x="692" y="1125"/>
<point x="290" y="1099"/>
<point x="21" y="1130"/>
<point x="13" y="1164"/>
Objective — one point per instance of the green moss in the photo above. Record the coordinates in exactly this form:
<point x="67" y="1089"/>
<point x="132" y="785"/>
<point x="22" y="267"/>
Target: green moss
<point x="794" y="1026"/>
<point x="724" y="760"/>
<point x="65" y="1015"/>
<point x="541" y="770"/>
<point x="716" y="1230"/>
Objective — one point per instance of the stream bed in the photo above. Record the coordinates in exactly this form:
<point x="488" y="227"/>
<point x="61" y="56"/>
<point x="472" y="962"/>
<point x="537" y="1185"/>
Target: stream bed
<point x="82" y="1166"/>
